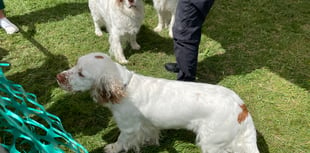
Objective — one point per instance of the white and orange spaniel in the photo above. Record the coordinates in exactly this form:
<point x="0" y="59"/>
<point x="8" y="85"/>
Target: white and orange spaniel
<point x="142" y="106"/>
<point x="122" y="19"/>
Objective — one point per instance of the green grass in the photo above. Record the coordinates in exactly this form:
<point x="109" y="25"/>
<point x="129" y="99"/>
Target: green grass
<point x="260" y="49"/>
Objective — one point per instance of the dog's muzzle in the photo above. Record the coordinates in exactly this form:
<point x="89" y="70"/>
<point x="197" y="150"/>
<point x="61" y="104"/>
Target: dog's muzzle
<point x="62" y="81"/>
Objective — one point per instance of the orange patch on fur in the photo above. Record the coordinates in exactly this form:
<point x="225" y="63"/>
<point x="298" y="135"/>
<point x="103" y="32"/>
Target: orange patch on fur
<point x="100" y="57"/>
<point x="114" y="95"/>
<point x="118" y="2"/>
<point x="244" y="114"/>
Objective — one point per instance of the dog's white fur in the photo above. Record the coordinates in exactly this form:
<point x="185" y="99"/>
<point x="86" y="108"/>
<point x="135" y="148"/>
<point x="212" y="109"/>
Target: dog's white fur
<point x="166" y="14"/>
<point x="142" y="106"/>
<point x="122" y="19"/>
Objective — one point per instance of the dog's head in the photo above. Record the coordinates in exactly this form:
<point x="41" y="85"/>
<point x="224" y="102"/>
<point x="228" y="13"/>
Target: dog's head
<point x="95" y="72"/>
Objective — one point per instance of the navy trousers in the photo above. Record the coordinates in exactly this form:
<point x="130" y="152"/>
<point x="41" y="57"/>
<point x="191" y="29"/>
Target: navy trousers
<point x="1" y="5"/>
<point x="190" y="15"/>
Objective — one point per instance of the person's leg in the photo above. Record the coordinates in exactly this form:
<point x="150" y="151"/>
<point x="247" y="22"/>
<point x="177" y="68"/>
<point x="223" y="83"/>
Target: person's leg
<point x="6" y="24"/>
<point x="1" y="9"/>
<point x="1" y="5"/>
<point x="187" y="34"/>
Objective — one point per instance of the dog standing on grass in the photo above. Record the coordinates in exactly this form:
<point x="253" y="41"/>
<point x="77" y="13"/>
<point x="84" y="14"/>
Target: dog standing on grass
<point x="166" y="14"/>
<point x="142" y="106"/>
<point x="122" y="19"/>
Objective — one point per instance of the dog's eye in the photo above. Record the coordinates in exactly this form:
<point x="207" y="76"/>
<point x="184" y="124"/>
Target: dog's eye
<point x="80" y="74"/>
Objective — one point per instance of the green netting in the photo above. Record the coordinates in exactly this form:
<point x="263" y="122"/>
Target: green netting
<point x="25" y="126"/>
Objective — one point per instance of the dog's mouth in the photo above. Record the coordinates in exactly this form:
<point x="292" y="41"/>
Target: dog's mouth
<point x="64" y="86"/>
<point x="132" y="6"/>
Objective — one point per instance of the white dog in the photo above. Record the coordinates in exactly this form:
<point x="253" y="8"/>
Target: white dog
<point x="166" y="14"/>
<point x="142" y="106"/>
<point x="122" y="19"/>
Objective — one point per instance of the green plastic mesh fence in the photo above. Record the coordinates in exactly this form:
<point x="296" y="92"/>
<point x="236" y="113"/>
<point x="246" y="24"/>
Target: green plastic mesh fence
<point x="25" y="126"/>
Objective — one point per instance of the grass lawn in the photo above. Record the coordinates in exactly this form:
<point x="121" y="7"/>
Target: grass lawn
<point x="259" y="49"/>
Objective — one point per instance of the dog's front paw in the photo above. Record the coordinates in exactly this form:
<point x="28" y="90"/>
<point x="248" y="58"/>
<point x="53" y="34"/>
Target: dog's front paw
<point x="159" y="28"/>
<point x="98" y="32"/>
<point x="112" y="148"/>
<point x="170" y="34"/>
<point x="135" y="46"/>
<point x="122" y="60"/>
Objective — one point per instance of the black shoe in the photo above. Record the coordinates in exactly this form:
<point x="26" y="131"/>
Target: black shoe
<point x="172" y="67"/>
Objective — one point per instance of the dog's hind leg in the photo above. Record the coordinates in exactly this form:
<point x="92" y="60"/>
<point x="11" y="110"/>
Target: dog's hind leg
<point x="209" y="146"/>
<point x="210" y="138"/>
<point x="171" y="25"/>
<point x="246" y="140"/>
<point x="161" y="21"/>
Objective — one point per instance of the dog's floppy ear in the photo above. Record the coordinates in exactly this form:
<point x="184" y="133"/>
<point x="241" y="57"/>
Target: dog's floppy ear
<point x="108" y="90"/>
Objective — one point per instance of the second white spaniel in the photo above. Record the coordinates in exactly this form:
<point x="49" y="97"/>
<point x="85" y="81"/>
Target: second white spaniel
<point x="166" y="14"/>
<point x="142" y="106"/>
<point x="122" y="19"/>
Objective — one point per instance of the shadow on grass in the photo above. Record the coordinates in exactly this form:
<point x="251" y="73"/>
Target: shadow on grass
<point x="79" y="114"/>
<point x="3" y="53"/>
<point x="261" y="143"/>
<point x="41" y="81"/>
<point x="170" y="138"/>
<point x="150" y="41"/>
<point x="57" y="13"/>
<point x="98" y="150"/>
<point x="167" y="140"/>
<point x="240" y="62"/>
<point x="264" y="38"/>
